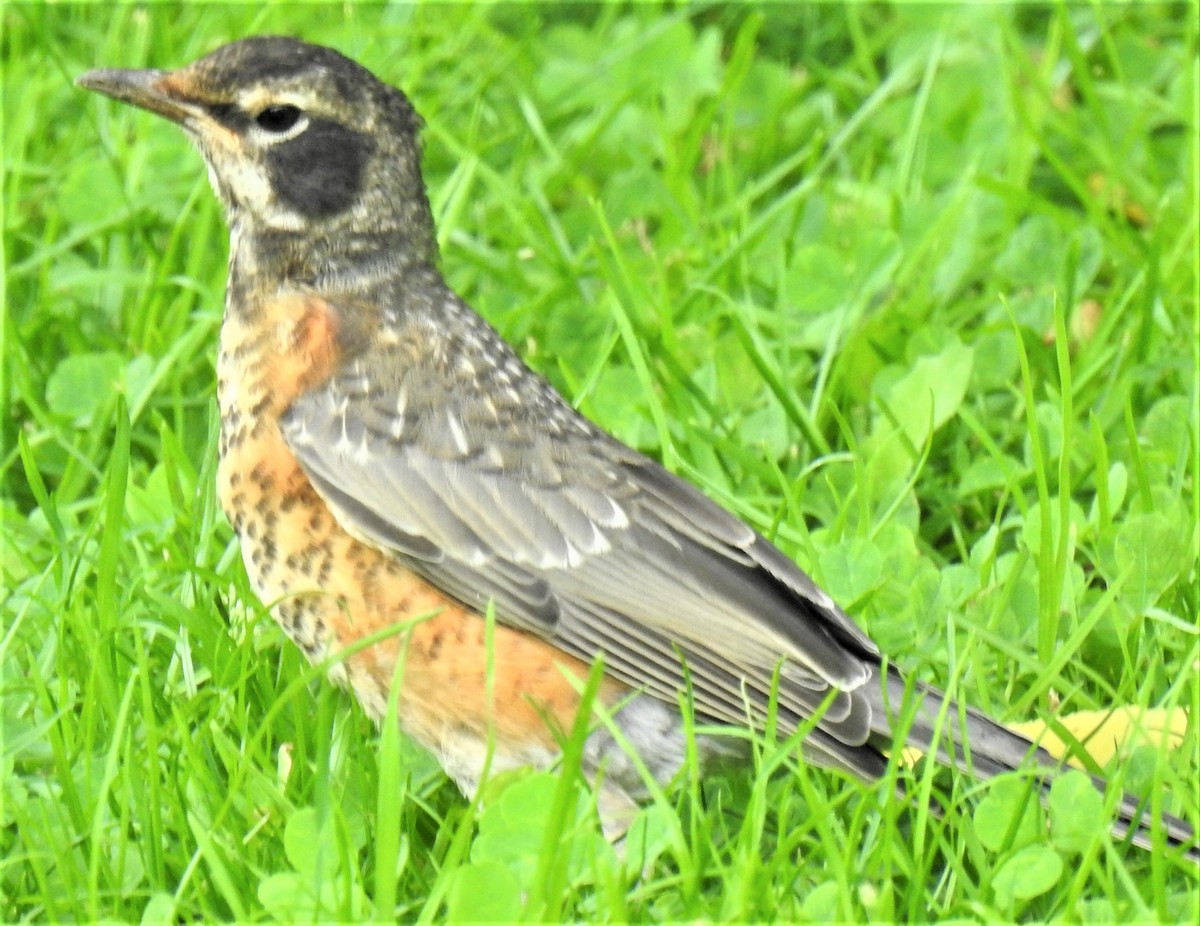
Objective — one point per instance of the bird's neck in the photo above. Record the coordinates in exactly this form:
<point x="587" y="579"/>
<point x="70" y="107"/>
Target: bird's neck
<point x="264" y="262"/>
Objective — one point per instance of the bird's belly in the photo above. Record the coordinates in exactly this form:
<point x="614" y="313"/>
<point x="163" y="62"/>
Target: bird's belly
<point x="460" y="692"/>
<point x="461" y="686"/>
<point x="330" y="591"/>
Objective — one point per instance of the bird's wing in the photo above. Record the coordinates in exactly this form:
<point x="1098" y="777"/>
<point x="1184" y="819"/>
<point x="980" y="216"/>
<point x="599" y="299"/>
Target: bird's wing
<point x="484" y="481"/>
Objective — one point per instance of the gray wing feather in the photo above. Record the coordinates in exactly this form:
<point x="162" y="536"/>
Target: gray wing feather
<point x="580" y="540"/>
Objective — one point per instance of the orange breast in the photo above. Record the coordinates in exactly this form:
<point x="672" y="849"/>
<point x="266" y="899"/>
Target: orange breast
<point x="329" y="590"/>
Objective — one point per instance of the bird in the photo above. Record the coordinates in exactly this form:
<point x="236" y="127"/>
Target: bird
<point x="396" y="474"/>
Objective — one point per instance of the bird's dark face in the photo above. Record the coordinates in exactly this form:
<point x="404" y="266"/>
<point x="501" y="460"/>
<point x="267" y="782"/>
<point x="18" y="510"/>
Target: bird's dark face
<point x="296" y="136"/>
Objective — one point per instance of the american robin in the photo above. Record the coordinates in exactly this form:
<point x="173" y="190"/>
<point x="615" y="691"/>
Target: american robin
<point x="387" y="461"/>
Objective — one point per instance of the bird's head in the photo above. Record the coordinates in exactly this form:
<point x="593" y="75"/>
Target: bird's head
<point x="297" y="137"/>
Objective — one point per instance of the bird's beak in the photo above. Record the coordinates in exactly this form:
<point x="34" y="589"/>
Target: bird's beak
<point x="156" y="91"/>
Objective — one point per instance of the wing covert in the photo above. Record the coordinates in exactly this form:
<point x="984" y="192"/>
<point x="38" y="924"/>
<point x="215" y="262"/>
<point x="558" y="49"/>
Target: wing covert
<point x="485" y="482"/>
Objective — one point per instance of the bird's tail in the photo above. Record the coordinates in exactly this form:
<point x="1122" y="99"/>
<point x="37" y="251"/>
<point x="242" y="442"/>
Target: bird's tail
<point x="964" y="738"/>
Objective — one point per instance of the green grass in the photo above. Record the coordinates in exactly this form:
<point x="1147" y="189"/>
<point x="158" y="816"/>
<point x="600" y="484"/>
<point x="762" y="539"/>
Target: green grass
<point x="911" y="289"/>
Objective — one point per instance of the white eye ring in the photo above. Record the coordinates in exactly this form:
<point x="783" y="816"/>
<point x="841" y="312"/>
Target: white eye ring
<point x="278" y="122"/>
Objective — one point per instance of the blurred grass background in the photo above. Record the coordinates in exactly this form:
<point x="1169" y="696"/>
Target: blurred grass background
<point x="912" y="288"/>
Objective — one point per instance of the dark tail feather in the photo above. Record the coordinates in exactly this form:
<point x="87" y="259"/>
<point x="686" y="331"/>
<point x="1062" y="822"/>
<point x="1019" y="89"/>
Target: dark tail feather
<point x="989" y="749"/>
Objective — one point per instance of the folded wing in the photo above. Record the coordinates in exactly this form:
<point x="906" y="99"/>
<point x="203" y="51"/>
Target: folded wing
<point x="477" y="475"/>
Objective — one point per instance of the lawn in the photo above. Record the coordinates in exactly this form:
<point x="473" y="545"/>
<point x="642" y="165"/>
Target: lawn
<point x="912" y="289"/>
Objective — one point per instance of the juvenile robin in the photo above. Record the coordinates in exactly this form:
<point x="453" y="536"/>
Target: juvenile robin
<point x="388" y="461"/>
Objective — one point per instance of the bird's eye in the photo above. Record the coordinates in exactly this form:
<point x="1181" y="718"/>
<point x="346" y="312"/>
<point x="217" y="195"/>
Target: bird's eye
<point x="278" y="118"/>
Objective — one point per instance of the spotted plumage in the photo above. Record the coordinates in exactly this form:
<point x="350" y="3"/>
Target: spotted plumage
<point x="392" y="467"/>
